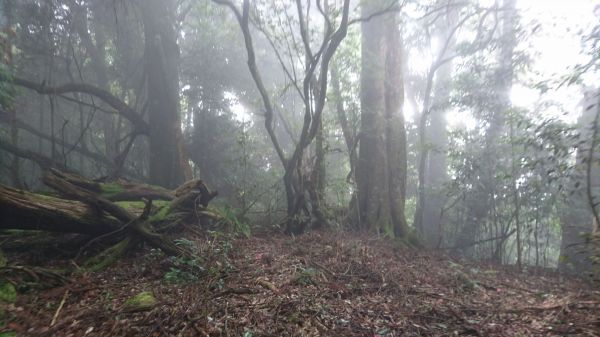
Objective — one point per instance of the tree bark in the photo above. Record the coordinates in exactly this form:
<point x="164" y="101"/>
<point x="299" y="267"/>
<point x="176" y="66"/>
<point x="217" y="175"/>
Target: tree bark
<point x="169" y="165"/>
<point x="577" y="219"/>
<point x="381" y="167"/>
<point x="24" y="210"/>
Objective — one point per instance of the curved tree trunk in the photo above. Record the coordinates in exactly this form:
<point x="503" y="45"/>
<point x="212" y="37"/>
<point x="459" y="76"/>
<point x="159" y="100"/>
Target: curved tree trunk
<point x="303" y="204"/>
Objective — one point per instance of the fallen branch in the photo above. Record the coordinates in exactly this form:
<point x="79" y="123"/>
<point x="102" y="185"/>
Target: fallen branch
<point x="60" y="306"/>
<point x="475" y="243"/>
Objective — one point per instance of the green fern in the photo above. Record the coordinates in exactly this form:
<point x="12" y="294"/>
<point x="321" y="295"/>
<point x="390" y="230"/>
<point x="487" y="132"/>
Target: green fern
<point x="228" y="218"/>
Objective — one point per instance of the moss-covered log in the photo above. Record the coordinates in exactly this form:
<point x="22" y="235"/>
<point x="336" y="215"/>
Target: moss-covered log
<point x="119" y="190"/>
<point x="25" y="210"/>
<point x="89" y="207"/>
<point x="138" y="226"/>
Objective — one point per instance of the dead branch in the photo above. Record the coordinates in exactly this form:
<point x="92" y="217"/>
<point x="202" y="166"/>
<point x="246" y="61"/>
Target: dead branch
<point x="121" y="107"/>
<point x="43" y="161"/>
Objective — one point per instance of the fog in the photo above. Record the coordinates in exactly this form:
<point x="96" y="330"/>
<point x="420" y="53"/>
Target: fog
<point x="464" y="126"/>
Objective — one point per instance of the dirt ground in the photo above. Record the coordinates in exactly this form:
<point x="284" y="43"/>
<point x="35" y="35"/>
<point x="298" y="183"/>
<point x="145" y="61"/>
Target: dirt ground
<point x="319" y="284"/>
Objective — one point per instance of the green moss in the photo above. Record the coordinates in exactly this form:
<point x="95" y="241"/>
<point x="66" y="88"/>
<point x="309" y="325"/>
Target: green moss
<point x="131" y="205"/>
<point x="161" y="215"/>
<point x="388" y="229"/>
<point x="47" y="195"/>
<point x="464" y="282"/>
<point x="107" y="257"/>
<point x="140" y="302"/>
<point x="8" y="334"/>
<point x="305" y="277"/>
<point x="8" y="293"/>
<point x="21" y="232"/>
<point x="110" y="189"/>
<point x="161" y="203"/>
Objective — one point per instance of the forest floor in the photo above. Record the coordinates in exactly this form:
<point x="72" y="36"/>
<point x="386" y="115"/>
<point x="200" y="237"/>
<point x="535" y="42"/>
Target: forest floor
<point x="319" y="284"/>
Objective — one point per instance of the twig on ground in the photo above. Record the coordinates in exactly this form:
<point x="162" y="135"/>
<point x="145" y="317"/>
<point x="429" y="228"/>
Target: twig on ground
<point x="60" y="306"/>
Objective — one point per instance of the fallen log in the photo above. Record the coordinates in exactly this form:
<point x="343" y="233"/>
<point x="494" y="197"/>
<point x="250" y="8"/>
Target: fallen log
<point x="30" y="211"/>
<point x="120" y="190"/>
<point x="91" y="207"/>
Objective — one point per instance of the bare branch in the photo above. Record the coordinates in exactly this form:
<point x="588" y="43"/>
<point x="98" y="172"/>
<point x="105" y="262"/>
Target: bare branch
<point x="303" y="31"/>
<point x="243" y="20"/>
<point x="123" y="109"/>
<point x="291" y="76"/>
<point x="43" y="161"/>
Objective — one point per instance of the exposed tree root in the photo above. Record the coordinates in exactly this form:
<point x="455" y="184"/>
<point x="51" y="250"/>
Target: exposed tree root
<point x="39" y="276"/>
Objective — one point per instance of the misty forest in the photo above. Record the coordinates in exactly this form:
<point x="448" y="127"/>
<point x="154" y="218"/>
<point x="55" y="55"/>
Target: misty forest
<point x="299" y="168"/>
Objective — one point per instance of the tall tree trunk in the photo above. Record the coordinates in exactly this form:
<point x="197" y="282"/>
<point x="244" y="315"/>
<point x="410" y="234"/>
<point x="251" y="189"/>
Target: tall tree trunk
<point x="504" y="75"/>
<point x="168" y="162"/>
<point x="577" y="218"/>
<point x="7" y="25"/>
<point x="515" y="186"/>
<point x="504" y="80"/>
<point x="381" y="167"/>
<point x="317" y="188"/>
<point x="435" y="175"/>
<point x="432" y="130"/>
<point x="436" y="168"/>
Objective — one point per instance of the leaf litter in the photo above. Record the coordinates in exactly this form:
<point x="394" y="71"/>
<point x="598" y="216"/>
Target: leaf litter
<point x="319" y="284"/>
